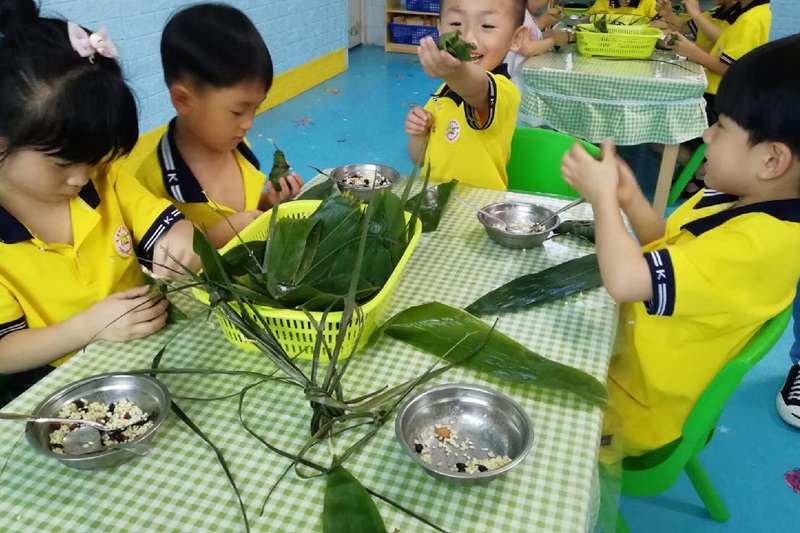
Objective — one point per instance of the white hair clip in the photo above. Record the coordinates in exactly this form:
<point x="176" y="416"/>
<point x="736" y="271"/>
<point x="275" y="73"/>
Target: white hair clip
<point x="88" y="45"/>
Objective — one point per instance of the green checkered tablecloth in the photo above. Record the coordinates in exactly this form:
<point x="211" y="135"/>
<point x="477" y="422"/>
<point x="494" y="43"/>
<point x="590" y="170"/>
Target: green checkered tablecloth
<point x="658" y="100"/>
<point x="180" y="487"/>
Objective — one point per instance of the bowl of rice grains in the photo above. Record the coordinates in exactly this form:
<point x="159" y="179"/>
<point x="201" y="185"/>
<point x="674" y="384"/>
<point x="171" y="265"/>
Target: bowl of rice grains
<point x="132" y="407"/>
<point x="362" y="181"/>
<point x="464" y="434"/>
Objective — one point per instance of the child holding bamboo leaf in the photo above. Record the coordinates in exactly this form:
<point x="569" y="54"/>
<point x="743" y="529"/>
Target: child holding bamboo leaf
<point x="469" y="123"/>
<point x="721" y="266"/>
<point x="218" y="70"/>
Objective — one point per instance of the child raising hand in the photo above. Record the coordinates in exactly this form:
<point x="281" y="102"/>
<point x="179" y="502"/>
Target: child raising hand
<point x="70" y="246"/>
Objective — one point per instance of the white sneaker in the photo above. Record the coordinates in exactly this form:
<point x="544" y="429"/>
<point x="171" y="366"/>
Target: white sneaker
<point x="788" y="400"/>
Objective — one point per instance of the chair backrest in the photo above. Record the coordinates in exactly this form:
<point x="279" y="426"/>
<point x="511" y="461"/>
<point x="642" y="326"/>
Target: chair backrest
<point x="663" y="466"/>
<point x="535" y="164"/>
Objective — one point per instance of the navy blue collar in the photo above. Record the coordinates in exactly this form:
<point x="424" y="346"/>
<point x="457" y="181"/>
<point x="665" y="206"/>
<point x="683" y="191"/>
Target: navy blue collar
<point x="617" y="4"/>
<point x="179" y="180"/>
<point x="447" y="92"/>
<point x="12" y="231"/>
<point x="728" y="14"/>
<point x="785" y="210"/>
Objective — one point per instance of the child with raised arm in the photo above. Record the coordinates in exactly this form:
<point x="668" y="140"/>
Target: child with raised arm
<point x="73" y="226"/>
<point x="218" y="71"/>
<point x="705" y="27"/>
<point x="472" y="116"/>
<point x="724" y="262"/>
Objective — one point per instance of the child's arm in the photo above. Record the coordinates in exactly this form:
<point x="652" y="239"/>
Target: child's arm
<point x="174" y="251"/>
<point x="223" y="231"/>
<point x="673" y="21"/>
<point x="551" y="39"/>
<point x="647" y="225"/>
<point x="623" y="268"/>
<point x="691" y="51"/>
<point x="418" y="123"/>
<point x="465" y="78"/>
<point x="123" y="316"/>
<point x="702" y="22"/>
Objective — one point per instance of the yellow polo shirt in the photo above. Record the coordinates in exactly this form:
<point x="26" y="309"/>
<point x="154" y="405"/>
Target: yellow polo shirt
<point x="643" y="8"/>
<point x="748" y="32"/>
<point x="474" y="150"/>
<point x="719" y="273"/>
<point x="159" y="166"/>
<point x="722" y="17"/>
<point x="115" y="221"/>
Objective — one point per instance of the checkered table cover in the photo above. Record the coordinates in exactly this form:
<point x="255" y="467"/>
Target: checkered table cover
<point x="658" y="100"/>
<point x="180" y="487"/>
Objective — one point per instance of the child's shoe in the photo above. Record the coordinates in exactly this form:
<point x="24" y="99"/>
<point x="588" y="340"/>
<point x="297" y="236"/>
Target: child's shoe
<point x="788" y="401"/>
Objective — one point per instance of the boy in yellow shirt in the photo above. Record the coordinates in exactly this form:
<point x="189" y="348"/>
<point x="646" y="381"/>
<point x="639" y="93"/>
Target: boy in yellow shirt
<point x="642" y="8"/>
<point x="722" y="265"/>
<point x="218" y="71"/>
<point x="472" y="116"/>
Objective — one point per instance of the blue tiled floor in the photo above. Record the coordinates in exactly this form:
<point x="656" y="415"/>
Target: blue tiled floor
<point x="358" y="117"/>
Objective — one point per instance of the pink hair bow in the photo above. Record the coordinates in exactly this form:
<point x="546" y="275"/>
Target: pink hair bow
<point x="88" y="45"/>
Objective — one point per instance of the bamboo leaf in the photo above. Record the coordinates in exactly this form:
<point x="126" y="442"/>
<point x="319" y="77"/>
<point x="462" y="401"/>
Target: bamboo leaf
<point x="436" y="328"/>
<point x="452" y="43"/>
<point x="208" y="257"/>
<point x="221" y="458"/>
<point x="548" y="285"/>
<point x="294" y="242"/>
<point x="417" y="206"/>
<point x="580" y="228"/>
<point x="348" y="507"/>
<point x="280" y="168"/>
<point x="340" y="218"/>
<point x="239" y="260"/>
<point x="320" y="191"/>
<point x="434" y="201"/>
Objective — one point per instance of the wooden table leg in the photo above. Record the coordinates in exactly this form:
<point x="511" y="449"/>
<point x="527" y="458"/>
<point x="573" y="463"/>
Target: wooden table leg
<point x="668" y="160"/>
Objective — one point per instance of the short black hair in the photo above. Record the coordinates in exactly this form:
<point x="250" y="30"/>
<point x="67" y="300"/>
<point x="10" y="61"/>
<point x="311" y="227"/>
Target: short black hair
<point x="214" y="45"/>
<point x="54" y="101"/>
<point x="520" y="7"/>
<point x="761" y="93"/>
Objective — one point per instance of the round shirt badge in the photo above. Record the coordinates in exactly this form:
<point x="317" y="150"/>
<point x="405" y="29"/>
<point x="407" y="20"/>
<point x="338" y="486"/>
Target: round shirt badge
<point x="453" y="131"/>
<point x="123" y="242"/>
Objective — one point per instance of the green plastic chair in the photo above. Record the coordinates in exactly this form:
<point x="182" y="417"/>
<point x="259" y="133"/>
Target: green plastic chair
<point x="535" y="164"/>
<point x="657" y="471"/>
<point x="686" y="174"/>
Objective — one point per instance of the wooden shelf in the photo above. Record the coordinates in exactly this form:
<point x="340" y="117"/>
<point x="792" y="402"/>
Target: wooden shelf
<point x="392" y="9"/>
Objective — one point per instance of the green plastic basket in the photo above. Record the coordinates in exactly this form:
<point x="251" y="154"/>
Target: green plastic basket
<point x="627" y="42"/>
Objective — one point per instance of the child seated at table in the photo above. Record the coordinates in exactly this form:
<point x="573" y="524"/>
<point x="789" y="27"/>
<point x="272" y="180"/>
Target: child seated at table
<point x="642" y="8"/>
<point x="749" y="29"/>
<point x="472" y="116"/>
<point x="535" y="41"/>
<point x="73" y="226"/>
<point x="723" y="264"/>
<point x="705" y="27"/>
<point x="218" y="71"/>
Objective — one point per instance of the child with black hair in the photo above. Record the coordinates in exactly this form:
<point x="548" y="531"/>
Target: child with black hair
<point x="464" y="131"/>
<point x="69" y="245"/>
<point x="218" y="70"/>
<point x="723" y="264"/>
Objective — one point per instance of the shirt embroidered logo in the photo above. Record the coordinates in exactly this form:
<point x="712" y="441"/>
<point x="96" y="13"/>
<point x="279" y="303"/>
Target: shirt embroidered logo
<point x="123" y="242"/>
<point x="453" y="131"/>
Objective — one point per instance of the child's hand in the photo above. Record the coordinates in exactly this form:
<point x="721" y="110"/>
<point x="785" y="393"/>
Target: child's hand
<point x="682" y="46"/>
<point x="436" y="63"/>
<point x="127" y="315"/>
<point x="594" y="180"/>
<point x="548" y="19"/>
<point x="175" y="247"/>
<point x="418" y="121"/>
<point x="692" y="7"/>
<point x="664" y="7"/>
<point x="290" y="187"/>
<point x="628" y="187"/>
<point x="560" y="37"/>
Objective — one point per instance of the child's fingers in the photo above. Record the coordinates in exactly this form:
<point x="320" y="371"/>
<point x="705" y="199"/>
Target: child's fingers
<point x="608" y="150"/>
<point x="136" y="292"/>
<point x="146" y="313"/>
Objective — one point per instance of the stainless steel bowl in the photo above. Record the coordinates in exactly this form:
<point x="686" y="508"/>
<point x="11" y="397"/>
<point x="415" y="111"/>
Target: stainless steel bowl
<point x="517" y="214"/>
<point x="490" y="420"/>
<point x="364" y="194"/>
<point x="573" y="20"/>
<point x="146" y="392"/>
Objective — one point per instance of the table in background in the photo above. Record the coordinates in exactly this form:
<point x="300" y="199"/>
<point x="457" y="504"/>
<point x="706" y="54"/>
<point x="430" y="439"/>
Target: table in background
<point x="181" y="487"/>
<point x="657" y="100"/>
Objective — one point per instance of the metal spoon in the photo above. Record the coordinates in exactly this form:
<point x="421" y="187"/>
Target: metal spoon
<point x="86" y="439"/>
<point x="567" y="207"/>
<point x="481" y="211"/>
<point x="48" y="420"/>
